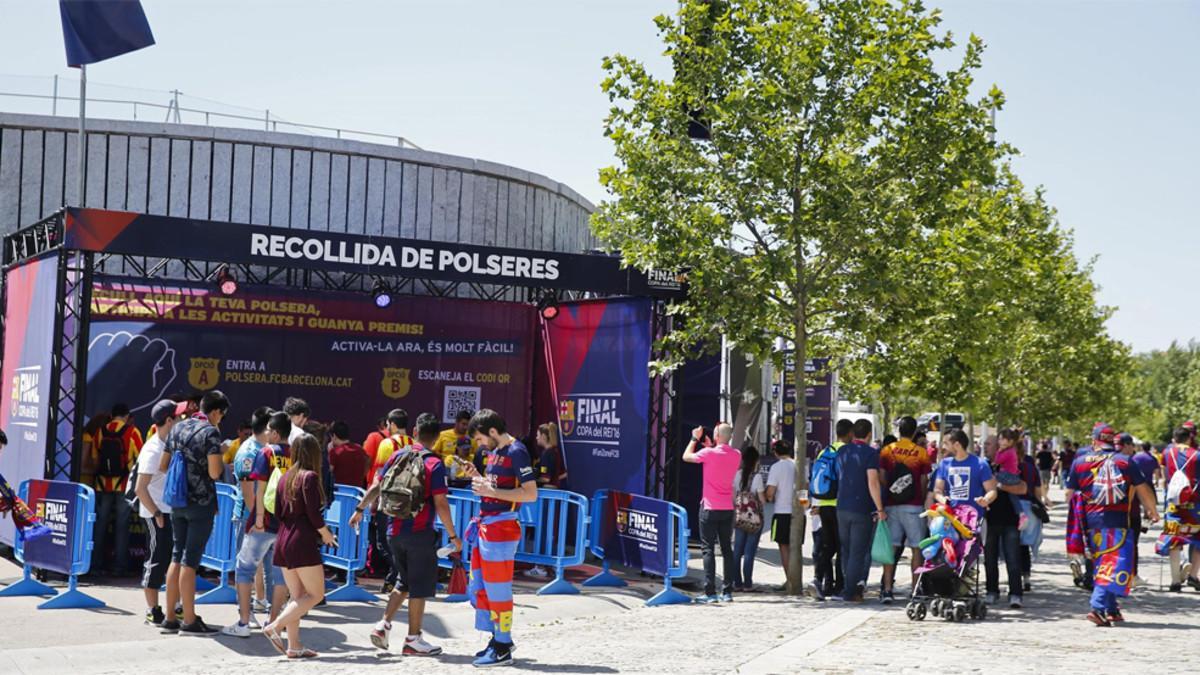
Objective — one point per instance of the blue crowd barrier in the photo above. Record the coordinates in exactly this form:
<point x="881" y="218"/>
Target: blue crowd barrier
<point x="605" y="579"/>
<point x="548" y="538"/>
<point x="220" y="554"/>
<point x="464" y="506"/>
<point x="81" y="501"/>
<point x="676" y="543"/>
<point x="350" y="553"/>
<point x="557" y="536"/>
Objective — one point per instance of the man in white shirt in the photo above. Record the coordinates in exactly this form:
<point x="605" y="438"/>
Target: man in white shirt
<point x="298" y="411"/>
<point x="151" y="481"/>
<point x="781" y="483"/>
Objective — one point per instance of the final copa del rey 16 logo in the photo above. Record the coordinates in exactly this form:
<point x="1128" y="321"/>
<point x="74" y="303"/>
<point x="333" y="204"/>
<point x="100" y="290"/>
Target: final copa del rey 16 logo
<point x="590" y="416"/>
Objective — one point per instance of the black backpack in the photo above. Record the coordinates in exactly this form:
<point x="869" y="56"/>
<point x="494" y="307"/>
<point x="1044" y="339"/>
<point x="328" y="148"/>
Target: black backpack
<point x="112" y="453"/>
<point x="901" y="484"/>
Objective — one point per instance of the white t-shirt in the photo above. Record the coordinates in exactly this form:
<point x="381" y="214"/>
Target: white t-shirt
<point x="756" y="483"/>
<point x="295" y="433"/>
<point x="148" y="465"/>
<point x="783" y="477"/>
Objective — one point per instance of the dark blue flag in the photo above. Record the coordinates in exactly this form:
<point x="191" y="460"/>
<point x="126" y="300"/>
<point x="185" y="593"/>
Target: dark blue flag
<point x="95" y="30"/>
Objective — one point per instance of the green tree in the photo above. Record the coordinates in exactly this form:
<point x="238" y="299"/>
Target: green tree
<point x="833" y="141"/>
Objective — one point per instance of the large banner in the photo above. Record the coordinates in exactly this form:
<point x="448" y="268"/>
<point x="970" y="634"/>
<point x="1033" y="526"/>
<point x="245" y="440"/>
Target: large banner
<point x="348" y="358"/>
<point x="635" y="532"/>
<point x="25" y="380"/>
<point x="599" y="355"/>
<point x="233" y="243"/>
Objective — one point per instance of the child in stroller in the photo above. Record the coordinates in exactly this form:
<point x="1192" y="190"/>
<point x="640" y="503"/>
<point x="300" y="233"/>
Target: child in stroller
<point x="947" y="584"/>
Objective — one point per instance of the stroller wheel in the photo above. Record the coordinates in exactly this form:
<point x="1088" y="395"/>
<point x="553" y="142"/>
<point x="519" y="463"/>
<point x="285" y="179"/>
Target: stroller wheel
<point x="935" y="607"/>
<point x="911" y="611"/>
<point x="983" y="610"/>
<point x="960" y="612"/>
<point x="920" y="612"/>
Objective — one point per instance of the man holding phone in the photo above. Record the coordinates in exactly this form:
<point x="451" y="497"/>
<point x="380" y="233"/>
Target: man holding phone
<point x="720" y="462"/>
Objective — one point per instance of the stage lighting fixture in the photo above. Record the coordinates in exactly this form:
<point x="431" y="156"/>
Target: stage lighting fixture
<point x="226" y="281"/>
<point x="548" y="306"/>
<point x="381" y="293"/>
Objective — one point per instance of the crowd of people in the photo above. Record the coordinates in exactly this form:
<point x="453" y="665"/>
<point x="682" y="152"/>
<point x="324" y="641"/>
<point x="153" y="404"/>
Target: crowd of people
<point x="286" y="465"/>
<point x="857" y="486"/>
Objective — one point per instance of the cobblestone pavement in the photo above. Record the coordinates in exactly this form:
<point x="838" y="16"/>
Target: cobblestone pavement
<point x="612" y="632"/>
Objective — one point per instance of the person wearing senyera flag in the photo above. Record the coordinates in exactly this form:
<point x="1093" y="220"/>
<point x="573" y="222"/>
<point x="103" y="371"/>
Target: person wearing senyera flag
<point x="1107" y="482"/>
<point x="1181" y="526"/>
<point x="29" y="526"/>
<point x="507" y="482"/>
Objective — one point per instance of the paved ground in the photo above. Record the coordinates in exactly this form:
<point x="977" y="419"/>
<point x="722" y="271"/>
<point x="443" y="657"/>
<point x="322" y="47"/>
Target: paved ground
<point x="612" y="632"/>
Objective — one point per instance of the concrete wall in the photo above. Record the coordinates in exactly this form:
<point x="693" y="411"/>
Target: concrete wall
<point x="282" y="180"/>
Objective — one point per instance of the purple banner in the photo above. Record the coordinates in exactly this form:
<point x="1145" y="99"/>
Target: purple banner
<point x="635" y="532"/>
<point x="25" y="378"/>
<point x="348" y="358"/>
<point x="818" y="396"/>
<point x="57" y="504"/>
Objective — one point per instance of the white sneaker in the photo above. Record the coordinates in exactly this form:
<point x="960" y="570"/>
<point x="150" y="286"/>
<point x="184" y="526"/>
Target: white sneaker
<point x="259" y="605"/>
<point x="1138" y="582"/>
<point x="538" y="572"/>
<point x="237" y="629"/>
<point x="379" y="635"/>
<point x="415" y="645"/>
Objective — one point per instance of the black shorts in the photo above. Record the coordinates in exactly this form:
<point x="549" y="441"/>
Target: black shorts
<point x="158" y="552"/>
<point x="781" y="528"/>
<point x="414" y="557"/>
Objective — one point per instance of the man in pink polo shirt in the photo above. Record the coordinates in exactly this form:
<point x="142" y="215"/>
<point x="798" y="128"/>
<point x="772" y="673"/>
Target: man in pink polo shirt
<point x="720" y="463"/>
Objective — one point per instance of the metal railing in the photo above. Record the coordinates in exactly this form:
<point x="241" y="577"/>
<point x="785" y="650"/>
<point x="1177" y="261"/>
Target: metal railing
<point x="174" y="112"/>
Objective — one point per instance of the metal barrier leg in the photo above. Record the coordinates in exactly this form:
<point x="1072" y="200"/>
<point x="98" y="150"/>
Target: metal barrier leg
<point x="558" y="585"/>
<point x="27" y="586"/>
<point x="668" y="596"/>
<point x="73" y="598"/>
<point x="221" y="594"/>
<point x="605" y="579"/>
<point x="350" y="592"/>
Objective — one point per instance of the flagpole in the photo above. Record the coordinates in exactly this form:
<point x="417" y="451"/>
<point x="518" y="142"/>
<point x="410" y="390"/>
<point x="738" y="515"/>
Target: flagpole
<point x="82" y="155"/>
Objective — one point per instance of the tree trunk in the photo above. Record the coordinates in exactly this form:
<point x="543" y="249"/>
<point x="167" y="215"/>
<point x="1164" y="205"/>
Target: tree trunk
<point x="795" y="562"/>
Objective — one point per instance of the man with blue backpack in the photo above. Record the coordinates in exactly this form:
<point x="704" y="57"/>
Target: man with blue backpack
<point x="823" y="485"/>
<point x="194" y="463"/>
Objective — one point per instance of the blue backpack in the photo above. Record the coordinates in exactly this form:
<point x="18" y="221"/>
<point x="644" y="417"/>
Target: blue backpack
<point x="175" y="489"/>
<point x="824" y="483"/>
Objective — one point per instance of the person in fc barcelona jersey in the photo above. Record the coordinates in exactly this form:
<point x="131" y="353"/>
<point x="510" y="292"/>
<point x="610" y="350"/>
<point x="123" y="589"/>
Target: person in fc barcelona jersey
<point x="508" y="481"/>
<point x="1107" y="482"/>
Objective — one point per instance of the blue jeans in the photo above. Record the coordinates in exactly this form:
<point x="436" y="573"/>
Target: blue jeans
<point x="1103" y="601"/>
<point x="855" y="532"/>
<point x="257" y="548"/>
<point x="745" y="547"/>
<point x="1004" y="539"/>
<point x="111" y="507"/>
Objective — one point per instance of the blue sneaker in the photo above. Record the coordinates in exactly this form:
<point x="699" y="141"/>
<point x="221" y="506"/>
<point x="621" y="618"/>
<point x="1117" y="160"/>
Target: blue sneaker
<point x="707" y="599"/>
<point x="493" y="658"/>
<point x="728" y="597"/>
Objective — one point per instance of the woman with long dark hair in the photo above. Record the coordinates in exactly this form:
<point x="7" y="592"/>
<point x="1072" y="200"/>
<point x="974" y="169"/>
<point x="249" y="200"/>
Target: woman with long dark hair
<point x="302" y="531"/>
<point x="748" y="491"/>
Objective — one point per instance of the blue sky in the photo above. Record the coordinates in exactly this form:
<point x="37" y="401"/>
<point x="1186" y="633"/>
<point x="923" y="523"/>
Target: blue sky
<point x="1103" y="98"/>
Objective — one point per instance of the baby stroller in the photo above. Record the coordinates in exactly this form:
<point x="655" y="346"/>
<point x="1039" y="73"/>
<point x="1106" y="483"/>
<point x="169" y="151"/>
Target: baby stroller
<point x="947" y="585"/>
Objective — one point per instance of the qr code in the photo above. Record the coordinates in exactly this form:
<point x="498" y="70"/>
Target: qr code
<point x="457" y="399"/>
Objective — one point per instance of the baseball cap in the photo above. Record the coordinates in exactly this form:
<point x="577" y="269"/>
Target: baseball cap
<point x="1104" y="433"/>
<point x="181" y="408"/>
<point x="1124" y="439"/>
<point x="162" y="410"/>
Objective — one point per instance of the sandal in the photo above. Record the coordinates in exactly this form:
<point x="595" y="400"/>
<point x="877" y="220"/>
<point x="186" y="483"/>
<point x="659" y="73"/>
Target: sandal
<point x="301" y="654"/>
<point x="271" y="634"/>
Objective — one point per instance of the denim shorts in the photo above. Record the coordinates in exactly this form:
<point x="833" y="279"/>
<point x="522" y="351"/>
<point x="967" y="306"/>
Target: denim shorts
<point x="905" y="523"/>
<point x="191" y="526"/>
<point x="256" y="548"/>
